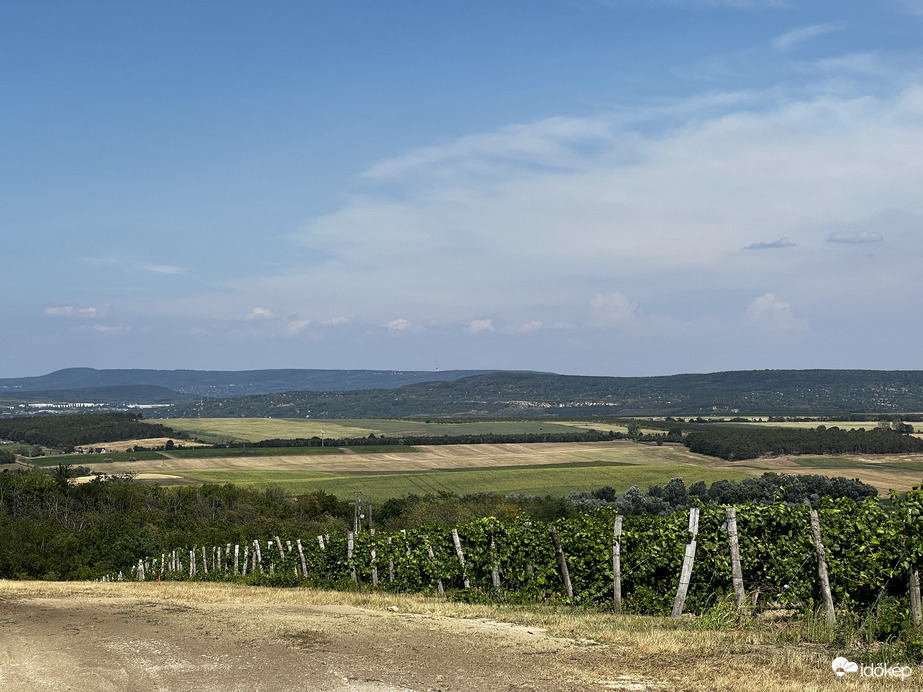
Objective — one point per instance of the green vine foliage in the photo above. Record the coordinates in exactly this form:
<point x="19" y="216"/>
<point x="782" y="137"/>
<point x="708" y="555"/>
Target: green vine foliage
<point x="869" y="550"/>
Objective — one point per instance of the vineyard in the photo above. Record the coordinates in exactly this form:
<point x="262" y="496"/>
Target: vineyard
<point x="866" y="553"/>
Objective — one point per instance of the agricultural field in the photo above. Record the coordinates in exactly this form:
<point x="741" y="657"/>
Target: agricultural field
<point x="526" y="480"/>
<point x="256" y="429"/>
<point x="552" y="468"/>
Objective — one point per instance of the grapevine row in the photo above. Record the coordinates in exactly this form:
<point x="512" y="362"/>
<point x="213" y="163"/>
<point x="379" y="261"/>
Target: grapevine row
<point x="870" y="552"/>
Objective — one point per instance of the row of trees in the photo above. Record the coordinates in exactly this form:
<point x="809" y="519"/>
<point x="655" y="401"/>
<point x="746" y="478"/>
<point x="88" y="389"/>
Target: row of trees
<point x="68" y="431"/>
<point x="768" y="489"/>
<point x="735" y="443"/>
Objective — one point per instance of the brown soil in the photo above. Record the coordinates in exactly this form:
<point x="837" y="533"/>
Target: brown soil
<point x="162" y="637"/>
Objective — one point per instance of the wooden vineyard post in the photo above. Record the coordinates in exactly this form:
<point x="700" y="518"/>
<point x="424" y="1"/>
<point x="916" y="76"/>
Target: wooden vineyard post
<point x="192" y="563"/>
<point x="349" y="556"/>
<point x="530" y="570"/>
<point x="461" y="557"/>
<point x="914" y="584"/>
<point x="257" y="557"/>
<point x="494" y="566"/>
<point x="374" y="558"/>
<point x="320" y="542"/>
<point x="562" y="561"/>
<point x="432" y="559"/>
<point x="617" y="565"/>
<point x="390" y="562"/>
<point x="822" y="568"/>
<point x="205" y="561"/>
<point x="236" y="559"/>
<point x="246" y="560"/>
<point x="688" y="561"/>
<point x="281" y="549"/>
<point x="304" y="564"/>
<point x="140" y="570"/>
<point x="162" y="558"/>
<point x="737" y="576"/>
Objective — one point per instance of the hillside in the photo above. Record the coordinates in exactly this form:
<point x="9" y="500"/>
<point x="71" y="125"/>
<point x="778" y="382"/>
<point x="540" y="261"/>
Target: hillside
<point x="778" y="392"/>
<point x="211" y="383"/>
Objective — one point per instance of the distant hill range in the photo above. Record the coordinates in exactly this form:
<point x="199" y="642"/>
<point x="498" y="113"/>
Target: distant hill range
<point x="90" y="385"/>
<point x="519" y="394"/>
<point x="382" y="393"/>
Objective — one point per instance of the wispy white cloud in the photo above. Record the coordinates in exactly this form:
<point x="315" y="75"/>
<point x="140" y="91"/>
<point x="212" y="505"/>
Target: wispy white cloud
<point x="259" y="313"/>
<point x="69" y="311"/>
<point x="790" y="39"/>
<point x="770" y="313"/>
<point x="774" y="245"/>
<point x="161" y="268"/>
<point x="478" y="326"/>
<point x="613" y="310"/>
<point x="296" y="325"/>
<point x="398" y="325"/>
<point x="855" y="237"/>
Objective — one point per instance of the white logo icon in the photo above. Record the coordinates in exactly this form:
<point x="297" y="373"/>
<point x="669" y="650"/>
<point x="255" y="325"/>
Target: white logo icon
<point x="842" y="665"/>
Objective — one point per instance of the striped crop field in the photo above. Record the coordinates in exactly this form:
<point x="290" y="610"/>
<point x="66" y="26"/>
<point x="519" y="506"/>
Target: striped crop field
<point x="256" y="429"/>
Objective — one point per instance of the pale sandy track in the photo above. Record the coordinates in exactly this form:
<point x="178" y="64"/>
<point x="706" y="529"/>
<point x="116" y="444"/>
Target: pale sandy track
<point x="108" y="638"/>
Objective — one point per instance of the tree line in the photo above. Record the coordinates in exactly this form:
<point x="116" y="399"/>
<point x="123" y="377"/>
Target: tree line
<point x="65" y="432"/>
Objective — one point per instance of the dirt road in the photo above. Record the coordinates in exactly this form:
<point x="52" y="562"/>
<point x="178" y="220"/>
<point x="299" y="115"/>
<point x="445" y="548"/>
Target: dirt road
<point x="192" y="637"/>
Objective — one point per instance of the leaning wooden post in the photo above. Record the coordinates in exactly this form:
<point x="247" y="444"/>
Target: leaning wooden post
<point x="562" y="561"/>
<point x="349" y="556"/>
<point x="688" y="561"/>
<point x="461" y="557"/>
<point x="494" y="565"/>
<point x="304" y="564"/>
<point x="737" y="576"/>
<point x="914" y="584"/>
<point x="374" y="559"/>
<point x="822" y="569"/>
<point x="432" y="559"/>
<point x="257" y="556"/>
<point x="617" y="565"/>
<point x="530" y="570"/>
<point x="390" y="561"/>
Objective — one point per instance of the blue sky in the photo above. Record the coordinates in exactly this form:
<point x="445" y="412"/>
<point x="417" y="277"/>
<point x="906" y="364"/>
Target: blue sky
<point x="613" y="187"/>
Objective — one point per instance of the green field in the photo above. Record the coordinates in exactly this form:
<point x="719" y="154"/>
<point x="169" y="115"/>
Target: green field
<point x="555" y="480"/>
<point x="841" y="463"/>
<point x="256" y="429"/>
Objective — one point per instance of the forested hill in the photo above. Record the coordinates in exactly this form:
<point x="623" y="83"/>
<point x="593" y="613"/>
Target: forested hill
<point x="218" y="383"/>
<point x="781" y="392"/>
